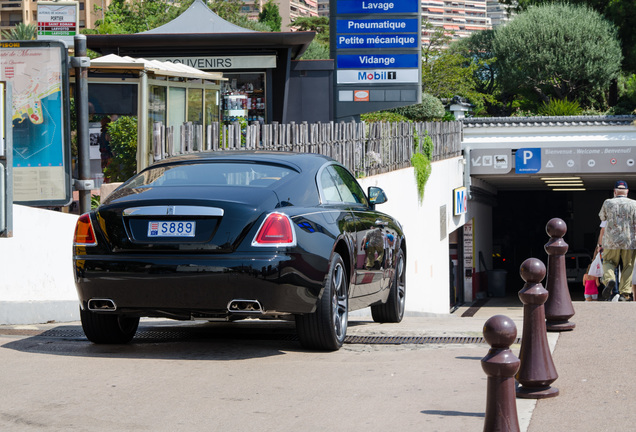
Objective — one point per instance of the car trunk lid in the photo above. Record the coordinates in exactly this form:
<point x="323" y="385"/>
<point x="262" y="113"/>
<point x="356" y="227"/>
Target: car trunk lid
<point x="216" y="220"/>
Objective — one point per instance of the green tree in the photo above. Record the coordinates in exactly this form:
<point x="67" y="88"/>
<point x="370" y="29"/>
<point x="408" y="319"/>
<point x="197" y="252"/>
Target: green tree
<point x="623" y="14"/>
<point x="270" y="15"/>
<point x="448" y="72"/>
<point x="135" y="16"/>
<point x="230" y="10"/>
<point x="21" y="31"/>
<point x="437" y="41"/>
<point x="620" y="12"/>
<point x="319" y="47"/>
<point x="447" y="75"/>
<point x="316" y="51"/>
<point x="320" y="25"/>
<point x="557" y="51"/>
<point x="123" y="142"/>
<point x="478" y="48"/>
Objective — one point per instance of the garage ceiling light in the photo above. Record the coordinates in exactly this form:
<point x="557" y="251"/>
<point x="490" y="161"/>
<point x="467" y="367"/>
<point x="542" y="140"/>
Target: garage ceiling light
<point x="560" y="178"/>
<point x="568" y="189"/>
<point x="558" y="184"/>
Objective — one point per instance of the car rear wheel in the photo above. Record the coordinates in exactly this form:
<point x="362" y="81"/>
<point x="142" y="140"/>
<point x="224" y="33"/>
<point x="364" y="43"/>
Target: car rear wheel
<point x="393" y="310"/>
<point x="108" y="329"/>
<point x="326" y="328"/>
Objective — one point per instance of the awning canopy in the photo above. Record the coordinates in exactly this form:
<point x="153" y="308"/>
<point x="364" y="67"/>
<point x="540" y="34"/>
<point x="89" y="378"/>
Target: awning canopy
<point x="163" y="68"/>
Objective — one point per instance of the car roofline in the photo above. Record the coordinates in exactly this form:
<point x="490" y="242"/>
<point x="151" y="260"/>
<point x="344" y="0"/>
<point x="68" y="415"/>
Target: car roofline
<point x="297" y="161"/>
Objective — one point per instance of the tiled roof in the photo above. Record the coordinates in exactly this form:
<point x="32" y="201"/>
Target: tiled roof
<point x="481" y="122"/>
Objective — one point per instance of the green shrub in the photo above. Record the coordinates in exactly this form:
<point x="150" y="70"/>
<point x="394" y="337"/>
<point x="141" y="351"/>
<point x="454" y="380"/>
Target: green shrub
<point x="448" y="116"/>
<point x="123" y="143"/>
<point x="316" y="51"/>
<point x="431" y="108"/>
<point x="560" y="107"/>
<point x="382" y="116"/>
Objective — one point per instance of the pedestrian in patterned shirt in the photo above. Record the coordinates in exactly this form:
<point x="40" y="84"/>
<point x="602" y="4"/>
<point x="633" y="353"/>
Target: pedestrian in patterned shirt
<point x="618" y="241"/>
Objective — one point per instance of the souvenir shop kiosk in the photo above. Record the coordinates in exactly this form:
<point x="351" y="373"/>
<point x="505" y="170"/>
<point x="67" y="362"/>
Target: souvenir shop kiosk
<point x="256" y="64"/>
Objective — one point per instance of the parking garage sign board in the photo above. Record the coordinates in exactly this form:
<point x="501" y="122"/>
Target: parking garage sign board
<point x="490" y="161"/>
<point x="553" y="160"/>
<point x="587" y="160"/>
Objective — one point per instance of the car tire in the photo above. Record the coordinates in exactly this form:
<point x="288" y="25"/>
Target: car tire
<point x="393" y="310"/>
<point x="326" y="328"/>
<point x="107" y="328"/>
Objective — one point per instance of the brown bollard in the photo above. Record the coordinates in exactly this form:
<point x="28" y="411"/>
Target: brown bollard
<point x="558" y="307"/>
<point x="537" y="369"/>
<point x="501" y="365"/>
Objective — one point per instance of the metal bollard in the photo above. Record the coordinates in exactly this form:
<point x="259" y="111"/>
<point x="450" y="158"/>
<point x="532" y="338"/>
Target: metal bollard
<point x="558" y="307"/>
<point x="537" y="370"/>
<point x="501" y="365"/>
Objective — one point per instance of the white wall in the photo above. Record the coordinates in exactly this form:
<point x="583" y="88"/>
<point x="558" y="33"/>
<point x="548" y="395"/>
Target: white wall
<point x="427" y="275"/>
<point x="36" y="283"/>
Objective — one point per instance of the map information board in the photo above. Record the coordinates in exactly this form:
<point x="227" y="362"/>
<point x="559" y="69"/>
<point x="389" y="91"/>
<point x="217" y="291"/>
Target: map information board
<point x="41" y="149"/>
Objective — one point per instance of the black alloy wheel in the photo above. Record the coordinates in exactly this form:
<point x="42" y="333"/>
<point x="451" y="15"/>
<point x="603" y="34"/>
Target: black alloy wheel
<point x="326" y="328"/>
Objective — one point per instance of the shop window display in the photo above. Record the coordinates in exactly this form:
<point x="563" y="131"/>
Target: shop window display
<point x="244" y="97"/>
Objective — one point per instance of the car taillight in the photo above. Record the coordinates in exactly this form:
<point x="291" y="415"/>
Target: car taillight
<point x="276" y="230"/>
<point x="84" y="233"/>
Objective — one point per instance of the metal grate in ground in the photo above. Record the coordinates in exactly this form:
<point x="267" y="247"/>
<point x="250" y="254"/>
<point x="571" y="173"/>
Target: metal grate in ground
<point x="157" y="335"/>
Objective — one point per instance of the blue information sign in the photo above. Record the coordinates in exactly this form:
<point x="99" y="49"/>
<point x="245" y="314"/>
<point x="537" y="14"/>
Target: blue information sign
<point x="410" y="25"/>
<point x="377" y="61"/>
<point x="378" y="6"/>
<point x="376" y="45"/>
<point x="378" y="41"/>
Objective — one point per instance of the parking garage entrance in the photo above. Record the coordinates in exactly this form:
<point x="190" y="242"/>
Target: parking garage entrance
<point x="531" y="170"/>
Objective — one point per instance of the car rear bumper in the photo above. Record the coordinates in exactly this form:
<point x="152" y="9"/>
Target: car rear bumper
<point x="199" y="285"/>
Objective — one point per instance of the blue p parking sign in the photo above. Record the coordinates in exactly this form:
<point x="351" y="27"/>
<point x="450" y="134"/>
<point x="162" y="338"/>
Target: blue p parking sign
<point x="528" y="160"/>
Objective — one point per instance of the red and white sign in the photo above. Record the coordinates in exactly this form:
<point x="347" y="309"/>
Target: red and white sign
<point x="58" y="21"/>
<point x="361" y="95"/>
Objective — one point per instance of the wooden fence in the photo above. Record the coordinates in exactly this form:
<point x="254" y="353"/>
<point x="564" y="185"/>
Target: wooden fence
<point x="364" y="148"/>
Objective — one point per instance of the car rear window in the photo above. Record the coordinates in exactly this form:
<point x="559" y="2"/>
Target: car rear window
<point x="213" y="174"/>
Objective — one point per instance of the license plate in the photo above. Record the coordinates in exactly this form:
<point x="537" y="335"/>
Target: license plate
<point x="171" y="229"/>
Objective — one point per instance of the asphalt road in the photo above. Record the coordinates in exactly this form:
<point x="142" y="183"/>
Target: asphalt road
<point x="197" y="377"/>
<point x="254" y="376"/>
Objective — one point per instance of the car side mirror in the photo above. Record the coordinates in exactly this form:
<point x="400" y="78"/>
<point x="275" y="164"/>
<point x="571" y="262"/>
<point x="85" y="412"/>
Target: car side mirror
<point x="376" y="195"/>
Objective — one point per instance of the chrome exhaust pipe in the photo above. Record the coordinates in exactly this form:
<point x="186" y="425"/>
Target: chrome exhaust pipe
<point x="101" y="305"/>
<point x="244" y="306"/>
